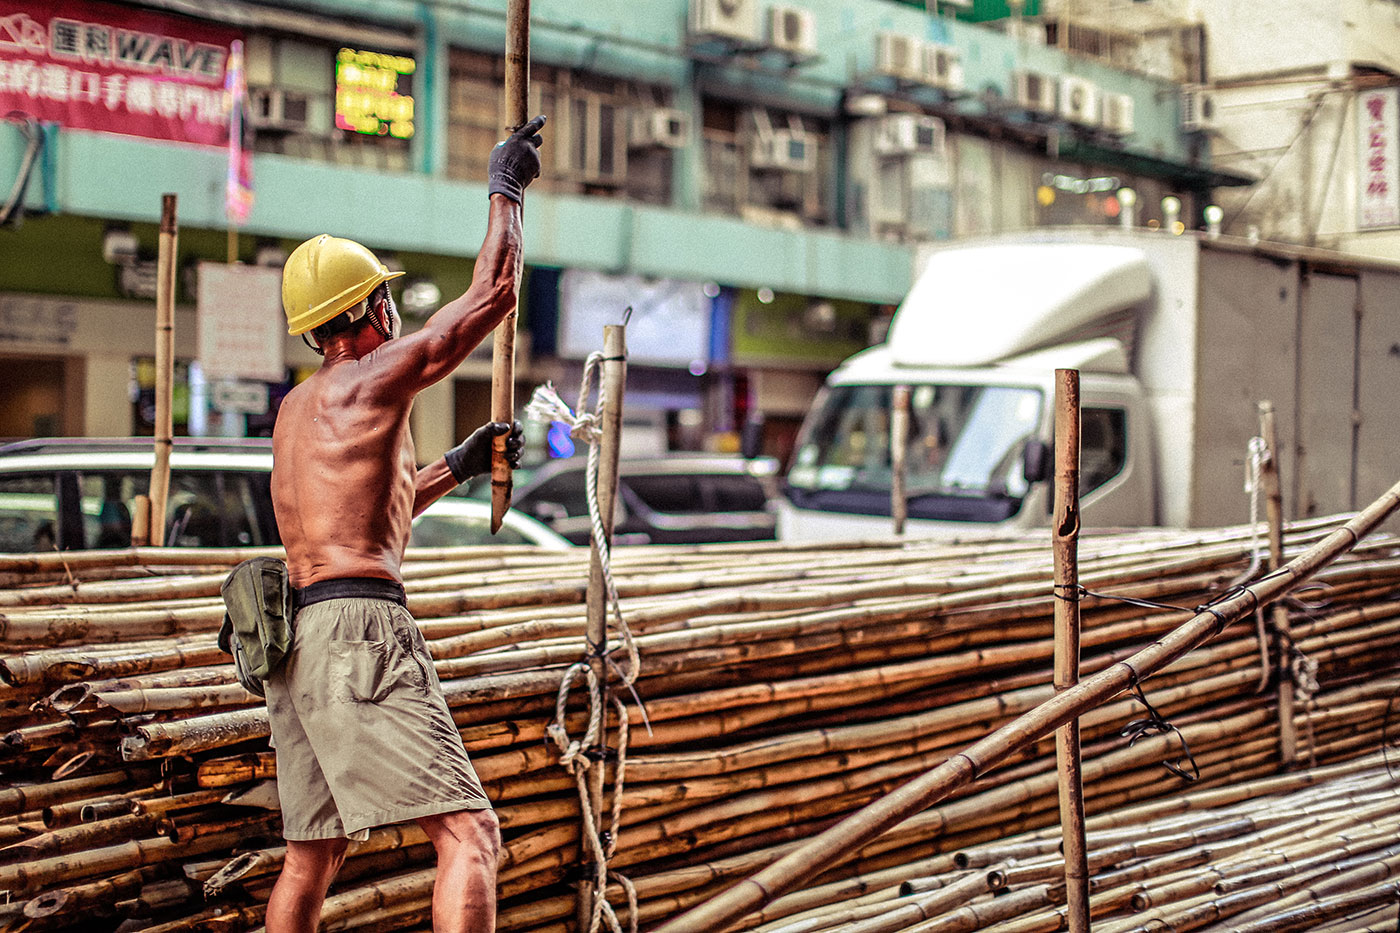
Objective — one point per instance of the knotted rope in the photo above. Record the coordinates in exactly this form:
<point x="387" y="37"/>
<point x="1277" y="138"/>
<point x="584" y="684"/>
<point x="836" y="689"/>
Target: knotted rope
<point x="1254" y="468"/>
<point x="581" y="754"/>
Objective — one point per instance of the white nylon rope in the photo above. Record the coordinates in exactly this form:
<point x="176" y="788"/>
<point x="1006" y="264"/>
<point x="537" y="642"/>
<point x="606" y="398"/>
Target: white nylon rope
<point x="585" y="426"/>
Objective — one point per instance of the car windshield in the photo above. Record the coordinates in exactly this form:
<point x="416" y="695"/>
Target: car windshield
<point x="965" y="441"/>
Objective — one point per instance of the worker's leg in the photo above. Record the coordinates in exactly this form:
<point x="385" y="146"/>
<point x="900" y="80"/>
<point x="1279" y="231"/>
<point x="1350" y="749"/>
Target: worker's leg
<point x="468" y="844"/>
<point x="310" y="866"/>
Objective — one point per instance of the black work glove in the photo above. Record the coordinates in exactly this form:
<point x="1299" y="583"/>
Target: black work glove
<point x="473" y="455"/>
<point x="515" y="162"/>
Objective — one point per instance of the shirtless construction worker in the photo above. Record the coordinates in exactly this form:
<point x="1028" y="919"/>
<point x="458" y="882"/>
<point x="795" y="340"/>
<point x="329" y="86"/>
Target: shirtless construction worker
<point x="362" y="733"/>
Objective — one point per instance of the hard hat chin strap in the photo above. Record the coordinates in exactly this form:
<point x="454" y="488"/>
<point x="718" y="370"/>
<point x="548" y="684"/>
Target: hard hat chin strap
<point x="387" y="323"/>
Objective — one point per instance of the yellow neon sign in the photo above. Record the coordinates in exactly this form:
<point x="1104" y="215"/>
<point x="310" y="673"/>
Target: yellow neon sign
<point x="367" y="98"/>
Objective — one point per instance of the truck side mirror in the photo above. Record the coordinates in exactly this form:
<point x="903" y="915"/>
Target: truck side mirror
<point x="1035" y="461"/>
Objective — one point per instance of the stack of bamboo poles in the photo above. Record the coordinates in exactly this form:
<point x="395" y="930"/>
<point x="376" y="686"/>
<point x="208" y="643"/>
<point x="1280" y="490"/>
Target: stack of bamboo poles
<point x="784" y="687"/>
<point x="1293" y="852"/>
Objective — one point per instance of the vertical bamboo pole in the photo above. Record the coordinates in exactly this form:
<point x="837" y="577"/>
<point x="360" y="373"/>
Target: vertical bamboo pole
<point x="614" y="379"/>
<point x="517" y="93"/>
<point x="1066" y="544"/>
<point x="899" y="457"/>
<point x="1273" y="508"/>
<point x="140" y="521"/>
<point x="165" y="367"/>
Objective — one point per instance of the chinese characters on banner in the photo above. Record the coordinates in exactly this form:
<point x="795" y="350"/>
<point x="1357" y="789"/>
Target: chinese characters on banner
<point x="92" y="66"/>
<point x="1378" y="142"/>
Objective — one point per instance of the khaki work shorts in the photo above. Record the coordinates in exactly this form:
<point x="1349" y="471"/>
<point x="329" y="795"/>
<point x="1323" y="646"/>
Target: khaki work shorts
<point x="362" y="733"/>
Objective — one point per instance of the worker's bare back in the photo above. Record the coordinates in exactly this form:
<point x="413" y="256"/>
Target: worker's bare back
<point x="343" y="486"/>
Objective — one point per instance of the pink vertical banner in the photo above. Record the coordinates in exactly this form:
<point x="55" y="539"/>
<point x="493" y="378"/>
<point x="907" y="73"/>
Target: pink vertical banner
<point x="238" y="188"/>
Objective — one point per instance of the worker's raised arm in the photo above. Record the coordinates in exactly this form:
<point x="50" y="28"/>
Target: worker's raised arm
<point x="432" y="353"/>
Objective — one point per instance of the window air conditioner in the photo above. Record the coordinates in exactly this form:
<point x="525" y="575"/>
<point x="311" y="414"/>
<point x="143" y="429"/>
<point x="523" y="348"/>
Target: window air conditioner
<point x="274" y="109"/>
<point x="663" y="127"/>
<point x="1197" y="110"/>
<point x="943" y="68"/>
<point x="792" y="30"/>
<point x="899" y="56"/>
<point x="785" y="150"/>
<point x="1035" y="92"/>
<point x="888" y="197"/>
<point x="1079" y="101"/>
<point x="908" y="133"/>
<point x="725" y="19"/>
<point x="1118" y="114"/>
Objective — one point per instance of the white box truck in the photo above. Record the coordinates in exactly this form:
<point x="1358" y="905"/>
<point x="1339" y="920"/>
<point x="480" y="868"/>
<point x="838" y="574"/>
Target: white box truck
<point x="1177" y="340"/>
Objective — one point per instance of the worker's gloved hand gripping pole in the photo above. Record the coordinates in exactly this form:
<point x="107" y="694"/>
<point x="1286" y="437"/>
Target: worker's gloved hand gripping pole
<point x="513" y="164"/>
<point x="472" y="457"/>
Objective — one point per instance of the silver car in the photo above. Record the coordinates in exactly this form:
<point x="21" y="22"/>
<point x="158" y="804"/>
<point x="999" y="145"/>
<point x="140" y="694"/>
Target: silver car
<point x="76" y="493"/>
<point x="681" y="498"/>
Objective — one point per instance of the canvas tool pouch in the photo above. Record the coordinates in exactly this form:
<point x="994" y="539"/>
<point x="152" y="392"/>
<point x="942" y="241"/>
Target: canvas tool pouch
<point x="257" y="627"/>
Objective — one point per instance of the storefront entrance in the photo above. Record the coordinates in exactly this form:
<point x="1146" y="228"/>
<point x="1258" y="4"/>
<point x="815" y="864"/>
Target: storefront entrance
<point x="43" y="396"/>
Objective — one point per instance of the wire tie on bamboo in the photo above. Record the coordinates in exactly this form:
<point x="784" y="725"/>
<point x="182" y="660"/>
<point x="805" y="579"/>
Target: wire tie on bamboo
<point x="1206" y="608"/>
<point x="1155" y="724"/>
<point x="1302" y="671"/>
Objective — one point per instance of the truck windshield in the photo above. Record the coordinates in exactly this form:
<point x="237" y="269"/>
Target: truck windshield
<point x="963" y="460"/>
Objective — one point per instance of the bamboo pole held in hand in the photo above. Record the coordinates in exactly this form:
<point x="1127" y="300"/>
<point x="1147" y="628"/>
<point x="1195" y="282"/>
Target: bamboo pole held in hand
<point x="1068" y="762"/>
<point x="517" y="93"/>
<point x="165" y="366"/>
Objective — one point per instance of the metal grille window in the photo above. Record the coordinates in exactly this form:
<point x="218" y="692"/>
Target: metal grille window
<point x="592" y="157"/>
<point x="766" y="165"/>
<point x="588" y="147"/>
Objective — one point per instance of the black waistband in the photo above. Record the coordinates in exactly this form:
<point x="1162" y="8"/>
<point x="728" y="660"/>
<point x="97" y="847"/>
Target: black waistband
<point x="349" y="588"/>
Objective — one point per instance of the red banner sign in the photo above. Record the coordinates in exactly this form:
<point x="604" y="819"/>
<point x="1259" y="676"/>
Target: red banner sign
<point x="93" y="66"/>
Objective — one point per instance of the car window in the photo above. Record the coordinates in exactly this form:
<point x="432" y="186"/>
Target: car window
<point x="192" y="510"/>
<point x="28" y="513"/>
<point x="667" y="492"/>
<point x="735" y="493"/>
<point x="106" y="507"/>
<point x="565" y="490"/>
<point x="1103" y="446"/>
<point x="205" y="508"/>
<point x="458" y="530"/>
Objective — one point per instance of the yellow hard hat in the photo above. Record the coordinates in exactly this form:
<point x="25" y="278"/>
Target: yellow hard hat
<point x="325" y="276"/>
